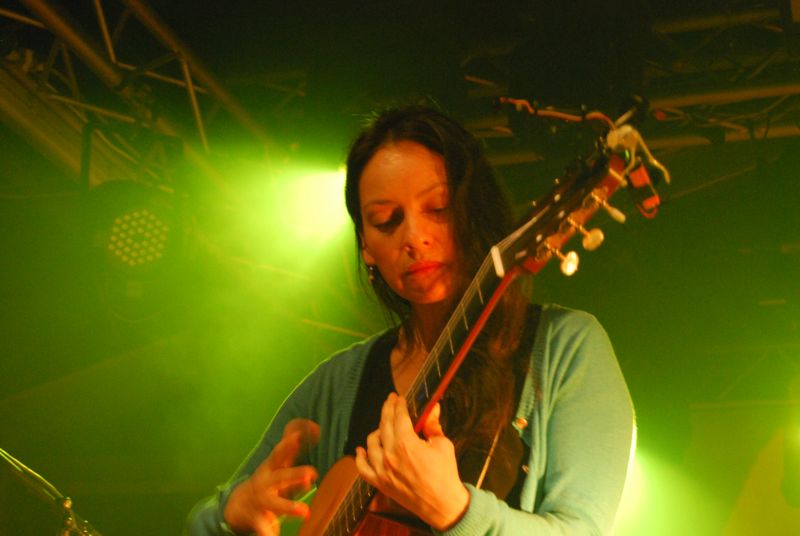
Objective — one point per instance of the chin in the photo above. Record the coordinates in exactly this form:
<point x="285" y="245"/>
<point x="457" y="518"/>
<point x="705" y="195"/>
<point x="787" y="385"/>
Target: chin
<point x="429" y="298"/>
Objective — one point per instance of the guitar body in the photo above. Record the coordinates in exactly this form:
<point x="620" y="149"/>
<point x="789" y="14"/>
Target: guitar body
<point x="379" y="520"/>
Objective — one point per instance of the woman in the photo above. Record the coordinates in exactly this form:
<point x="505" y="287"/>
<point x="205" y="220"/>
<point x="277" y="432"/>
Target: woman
<point x="534" y="435"/>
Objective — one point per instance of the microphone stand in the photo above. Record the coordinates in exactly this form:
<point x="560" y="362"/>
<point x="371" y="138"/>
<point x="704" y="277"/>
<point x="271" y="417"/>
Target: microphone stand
<point x="72" y="523"/>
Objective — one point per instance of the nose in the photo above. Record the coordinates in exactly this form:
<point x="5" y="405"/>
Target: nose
<point x="416" y="235"/>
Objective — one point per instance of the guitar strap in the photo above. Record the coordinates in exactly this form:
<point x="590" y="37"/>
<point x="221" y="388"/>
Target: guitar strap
<point x="499" y="468"/>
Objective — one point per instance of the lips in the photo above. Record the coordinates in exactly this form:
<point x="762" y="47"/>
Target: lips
<point x="422" y="267"/>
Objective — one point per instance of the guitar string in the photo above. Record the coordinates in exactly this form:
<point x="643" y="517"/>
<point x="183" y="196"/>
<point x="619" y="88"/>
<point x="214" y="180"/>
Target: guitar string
<point x="361" y="492"/>
<point x="459" y="313"/>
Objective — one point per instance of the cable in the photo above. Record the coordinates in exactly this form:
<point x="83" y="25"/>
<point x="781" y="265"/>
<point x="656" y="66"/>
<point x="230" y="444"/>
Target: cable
<point x="524" y="105"/>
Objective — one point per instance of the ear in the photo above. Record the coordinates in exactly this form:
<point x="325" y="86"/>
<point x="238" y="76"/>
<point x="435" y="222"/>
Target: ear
<point x="365" y="254"/>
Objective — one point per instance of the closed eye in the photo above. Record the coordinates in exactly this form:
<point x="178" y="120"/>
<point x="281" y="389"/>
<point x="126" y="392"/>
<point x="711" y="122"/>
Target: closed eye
<point x="440" y="211"/>
<point x="389" y="224"/>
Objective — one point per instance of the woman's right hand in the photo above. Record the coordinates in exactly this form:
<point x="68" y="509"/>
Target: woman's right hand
<point x="258" y="503"/>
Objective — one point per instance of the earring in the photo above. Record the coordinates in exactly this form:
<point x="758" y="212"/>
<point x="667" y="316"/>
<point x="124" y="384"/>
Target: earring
<point x="371" y="272"/>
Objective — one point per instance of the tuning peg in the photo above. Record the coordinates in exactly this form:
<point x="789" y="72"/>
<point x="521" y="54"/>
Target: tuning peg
<point x="614" y="212"/>
<point x="569" y="262"/>
<point x="592" y="239"/>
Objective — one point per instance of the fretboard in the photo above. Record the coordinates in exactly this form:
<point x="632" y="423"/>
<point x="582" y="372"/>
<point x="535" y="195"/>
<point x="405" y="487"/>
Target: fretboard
<point x="451" y="338"/>
<point x="352" y="509"/>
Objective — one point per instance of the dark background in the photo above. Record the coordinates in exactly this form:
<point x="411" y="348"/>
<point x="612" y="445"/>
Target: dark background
<point x="137" y="400"/>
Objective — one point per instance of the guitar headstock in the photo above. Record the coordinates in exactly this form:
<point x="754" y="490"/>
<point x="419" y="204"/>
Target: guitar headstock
<point x="583" y="189"/>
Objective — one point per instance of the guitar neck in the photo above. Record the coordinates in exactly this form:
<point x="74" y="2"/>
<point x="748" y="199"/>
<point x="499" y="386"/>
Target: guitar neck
<point x="433" y="377"/>
<point x="432" y="380"/>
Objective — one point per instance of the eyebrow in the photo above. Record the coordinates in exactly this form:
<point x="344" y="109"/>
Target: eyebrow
<point x="421" y="193"/>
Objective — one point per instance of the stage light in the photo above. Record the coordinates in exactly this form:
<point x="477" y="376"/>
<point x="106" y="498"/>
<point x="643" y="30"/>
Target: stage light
<point x="315" y="204"/>
<point x="138" y="238"/>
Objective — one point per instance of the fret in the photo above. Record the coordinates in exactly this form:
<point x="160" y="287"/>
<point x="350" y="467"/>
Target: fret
<point x="450" y="340"/>
<point x="351" y="514"/>
<point x="337" y="527"/>
<point x="361" y="502"/>
<point x="333" y="528"/>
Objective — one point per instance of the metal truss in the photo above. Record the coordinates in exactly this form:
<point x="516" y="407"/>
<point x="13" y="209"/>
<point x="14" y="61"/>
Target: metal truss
<point x="716" y="78"/>
<point x="91" y="91"/>
<point x="727" y="77"/>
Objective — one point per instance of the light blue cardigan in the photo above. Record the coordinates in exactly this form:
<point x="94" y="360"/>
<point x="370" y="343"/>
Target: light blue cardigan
<point x="575" y="414"/>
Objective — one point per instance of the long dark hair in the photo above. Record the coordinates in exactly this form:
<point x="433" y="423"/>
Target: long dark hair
<point x="481" y="216"/>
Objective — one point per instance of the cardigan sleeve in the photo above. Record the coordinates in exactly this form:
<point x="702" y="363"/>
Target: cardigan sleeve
<point x="326" y="397"/>
<point x="582" y="448"/>
<point x="206" y="518"/>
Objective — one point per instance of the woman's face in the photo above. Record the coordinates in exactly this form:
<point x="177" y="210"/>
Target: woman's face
<point x="407" y="227"/>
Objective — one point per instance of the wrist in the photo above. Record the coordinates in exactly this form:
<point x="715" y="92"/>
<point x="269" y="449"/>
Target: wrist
<point x="236" y="518"/>
<point x="459" y="506"/>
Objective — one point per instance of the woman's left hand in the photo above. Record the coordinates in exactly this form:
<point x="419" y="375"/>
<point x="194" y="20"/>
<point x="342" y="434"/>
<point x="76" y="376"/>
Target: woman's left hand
<point x="419" y="474"/>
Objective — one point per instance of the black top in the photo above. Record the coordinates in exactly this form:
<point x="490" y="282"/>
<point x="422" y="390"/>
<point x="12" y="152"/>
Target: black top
<point x="506" y="473"/>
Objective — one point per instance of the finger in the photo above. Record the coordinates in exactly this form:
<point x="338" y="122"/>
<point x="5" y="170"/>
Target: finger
<point x="432" y="426"/>
<point x="308" y="429"/>
<point x="365" y="470"/>
<point x="406" y="443"/>
<point x="285" y="452"/>
<point x="275" y="490"/>
<point x="386" y="425"/>
<point x="297" y="435"/>
<point x="374" y="452"/>
<point x="281" y="506"/>
<point x="406" y="439"/>
<point x="403" y="427"/>
<point x="288" y="482"/>
<point x="267" y="525"/>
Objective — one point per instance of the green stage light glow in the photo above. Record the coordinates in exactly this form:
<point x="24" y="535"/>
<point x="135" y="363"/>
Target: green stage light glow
<point x="315" y="204"/>
<point x="654" y="491"/>
<point x="284" y="216"/>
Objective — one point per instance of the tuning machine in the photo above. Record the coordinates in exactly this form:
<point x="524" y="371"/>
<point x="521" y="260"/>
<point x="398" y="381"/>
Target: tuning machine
<point x="569" y="260"/>
<point x="592" y="238"/>
<point x="597" y="199"/>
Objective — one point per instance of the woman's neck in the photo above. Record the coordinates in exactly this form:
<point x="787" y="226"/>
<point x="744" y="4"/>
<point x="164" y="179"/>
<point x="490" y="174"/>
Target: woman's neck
<point x="427" y="321"/>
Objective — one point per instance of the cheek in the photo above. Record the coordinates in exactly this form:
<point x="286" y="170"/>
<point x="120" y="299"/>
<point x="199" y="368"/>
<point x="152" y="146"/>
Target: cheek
<point x="377" y="249"/>
<point x="447" y="240"/>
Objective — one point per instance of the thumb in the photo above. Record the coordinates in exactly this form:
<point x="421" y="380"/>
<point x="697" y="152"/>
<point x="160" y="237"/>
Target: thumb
<point x="432" y="426"/>
<point x="267" y="526"/>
